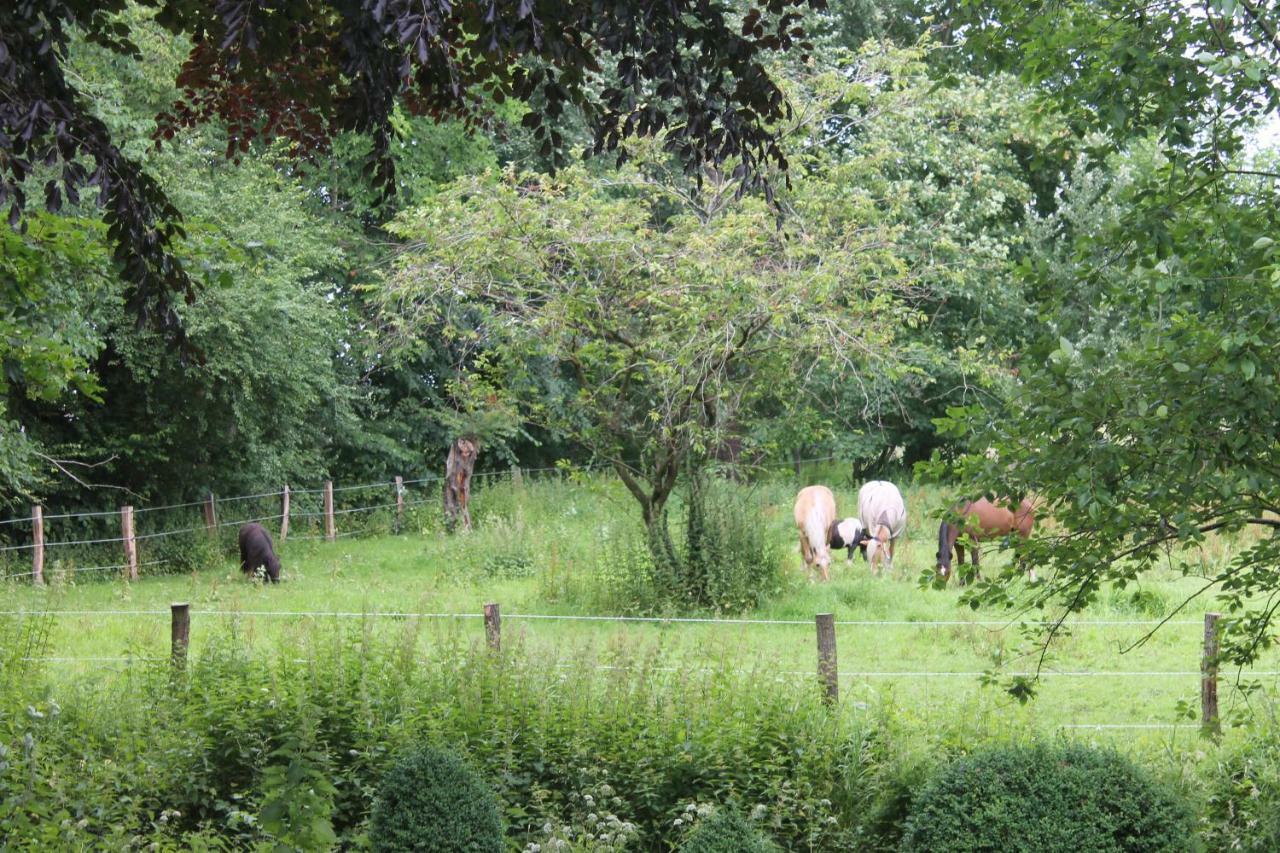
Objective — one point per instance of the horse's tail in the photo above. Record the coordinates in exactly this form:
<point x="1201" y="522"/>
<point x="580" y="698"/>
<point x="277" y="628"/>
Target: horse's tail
<point x="944" y="547"/>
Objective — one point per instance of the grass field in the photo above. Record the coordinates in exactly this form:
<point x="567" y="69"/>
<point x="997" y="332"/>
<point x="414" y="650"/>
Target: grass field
<point x="546" y="549"/>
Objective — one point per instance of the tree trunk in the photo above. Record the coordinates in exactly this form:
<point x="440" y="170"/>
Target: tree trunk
<point x="457" y="482"/>
<point x="653" y="505"/>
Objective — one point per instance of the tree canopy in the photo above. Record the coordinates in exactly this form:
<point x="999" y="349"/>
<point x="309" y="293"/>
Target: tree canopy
<point x="692" y="69"/>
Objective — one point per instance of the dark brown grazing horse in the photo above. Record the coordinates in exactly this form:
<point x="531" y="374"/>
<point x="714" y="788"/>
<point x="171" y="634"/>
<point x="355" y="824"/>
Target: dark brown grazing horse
<point x="256" y="552"/>
<point x="981" y="520"/>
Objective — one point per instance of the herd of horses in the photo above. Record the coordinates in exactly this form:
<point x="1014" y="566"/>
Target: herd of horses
<point x="882" y="518"/>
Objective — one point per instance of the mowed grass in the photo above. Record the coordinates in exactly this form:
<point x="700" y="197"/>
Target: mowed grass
<point x="538" y="551"/>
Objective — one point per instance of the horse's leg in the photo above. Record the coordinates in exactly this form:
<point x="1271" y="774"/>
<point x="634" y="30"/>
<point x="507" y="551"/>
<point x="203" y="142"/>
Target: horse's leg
<point x="973" y="550"/>
<point x="805" y="553"/>
<point x="1026" y="564"/>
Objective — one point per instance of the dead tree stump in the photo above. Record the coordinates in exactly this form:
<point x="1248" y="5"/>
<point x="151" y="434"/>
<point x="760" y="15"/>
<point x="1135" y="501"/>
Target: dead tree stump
<point x="457" y="482"/>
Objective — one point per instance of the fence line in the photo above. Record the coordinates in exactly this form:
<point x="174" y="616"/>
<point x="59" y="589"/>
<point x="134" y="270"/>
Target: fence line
<point x="405" y="614"/>
<point x="846" y="674"/>
<point x="78" y="570"/>
<point x="1128" y="726"/>
<point x="173" y="506"/>
<point x="828" y="673"/>
<point x="380" y="484"/>
<point x="66" y="543"/>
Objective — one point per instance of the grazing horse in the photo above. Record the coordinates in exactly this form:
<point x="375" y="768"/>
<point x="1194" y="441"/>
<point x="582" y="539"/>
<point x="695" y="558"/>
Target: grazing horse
<point x="883" y="514"/>
<point x="815" y="513"/>
<point x="848" y="533"/>
<point x="981" y="519"/>
<point x="256" y="552"/>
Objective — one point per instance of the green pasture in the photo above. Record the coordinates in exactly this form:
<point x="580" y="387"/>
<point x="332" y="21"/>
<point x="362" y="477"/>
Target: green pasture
<point x="547" y="548"/>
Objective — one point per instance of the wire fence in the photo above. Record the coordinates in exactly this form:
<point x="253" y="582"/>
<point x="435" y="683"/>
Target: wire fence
<point x="91" y="536"/>
<point x="1181" y="679"/>
<point x="362" y="508"/>
<point x="381" y="484"/>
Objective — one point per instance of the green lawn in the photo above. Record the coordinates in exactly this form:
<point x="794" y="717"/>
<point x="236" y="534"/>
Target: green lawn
<point x="537" y="552"/>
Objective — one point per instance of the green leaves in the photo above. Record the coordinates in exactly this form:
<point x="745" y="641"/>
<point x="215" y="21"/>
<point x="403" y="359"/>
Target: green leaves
<point x="1160" y="433"/>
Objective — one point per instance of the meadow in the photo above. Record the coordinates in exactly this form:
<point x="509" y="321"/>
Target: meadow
<point x="564" y="560"/>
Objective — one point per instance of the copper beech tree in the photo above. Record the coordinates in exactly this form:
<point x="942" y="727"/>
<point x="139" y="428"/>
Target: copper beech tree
<point x="305" y="70"/>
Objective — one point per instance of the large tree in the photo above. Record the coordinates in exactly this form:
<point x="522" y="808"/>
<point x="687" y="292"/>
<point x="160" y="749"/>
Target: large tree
<point x="1143" y="416"/>
<point x="1144" y="423"/>
<point x="669" y="314"/>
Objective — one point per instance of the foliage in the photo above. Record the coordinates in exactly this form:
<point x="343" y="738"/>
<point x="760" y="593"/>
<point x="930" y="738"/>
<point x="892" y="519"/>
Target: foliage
<point x="955" y="210"/>
<point x="249" y="750"/>
<point x="266" y="395"/>
<point x="1046" y="798"/>
<point x="693" y="70"/>
<point x="298" y="799"/>
<point x="431" y="800"/>
<point x="1146" y="421"/>
<point x="729" y="563"/>
<point x="1242" y="809"/>
<point x="669" y="334"/>
<point x="727" y="831"/>
<point x="1197" y="76"/>
<point x="44" y="341"/>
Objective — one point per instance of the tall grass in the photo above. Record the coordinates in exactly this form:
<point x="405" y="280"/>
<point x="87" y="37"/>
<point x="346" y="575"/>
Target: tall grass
<point x="156" y="757"/>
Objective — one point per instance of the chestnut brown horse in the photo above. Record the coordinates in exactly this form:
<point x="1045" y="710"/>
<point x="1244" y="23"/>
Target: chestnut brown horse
<point x="981" y="519"/>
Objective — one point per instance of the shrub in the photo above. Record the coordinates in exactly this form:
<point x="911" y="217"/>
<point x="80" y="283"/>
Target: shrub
<point x="431" y="800"/>
<point x="1043" y="799"/>
<point x="727" y="831"/>
<point x="731" y="562"/>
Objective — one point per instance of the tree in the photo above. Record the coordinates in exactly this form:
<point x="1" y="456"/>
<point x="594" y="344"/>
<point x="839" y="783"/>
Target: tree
<point x="269" y="394"/>
<point x="672" y="312"/>
<point x="1145" y="420"/>
<point x="692" y="70"/>
<point x="958" y="206"/>
<point x="1144" y="410"/>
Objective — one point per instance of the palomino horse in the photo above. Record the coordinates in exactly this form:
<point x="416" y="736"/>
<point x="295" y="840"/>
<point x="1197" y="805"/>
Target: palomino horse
<point x="981" y="520"/>
<point x="815" y="514"/>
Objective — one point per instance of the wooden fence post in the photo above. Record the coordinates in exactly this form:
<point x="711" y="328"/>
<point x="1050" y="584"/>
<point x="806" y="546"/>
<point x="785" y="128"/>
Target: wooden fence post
<point x="330" y="531"/>
<point x="284" y="513"/>
<point x="493" y="626"/>
<point x="399" y="501"/>
<point x="130" y="543"/>
<point x="827" y="672"/>
<point x="1209" y="724"/>
<point x="37" y="543"/>
<point x="180" y="633"/>
<point x="210" y="515"/>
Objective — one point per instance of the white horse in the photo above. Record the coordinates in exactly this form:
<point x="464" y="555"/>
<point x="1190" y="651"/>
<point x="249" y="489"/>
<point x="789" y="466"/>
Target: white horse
<point x="815" y="514"/>
<point x="883" y="514"/>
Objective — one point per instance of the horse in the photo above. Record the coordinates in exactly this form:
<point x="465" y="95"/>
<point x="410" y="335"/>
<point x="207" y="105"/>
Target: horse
<point x="883" y="514"/>
<point x="981" y="519"/>
<point x="847" y="533"/>
<point x="257" y="552"/>
<point x="815" y="514"/>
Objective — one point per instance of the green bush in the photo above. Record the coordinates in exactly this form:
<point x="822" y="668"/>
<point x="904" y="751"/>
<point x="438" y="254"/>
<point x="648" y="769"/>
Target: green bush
<point x="731" y="562"/>
<point x="431" y="800"/>
<point x="1042" y="799"/>
<point x="727" y="831"/>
